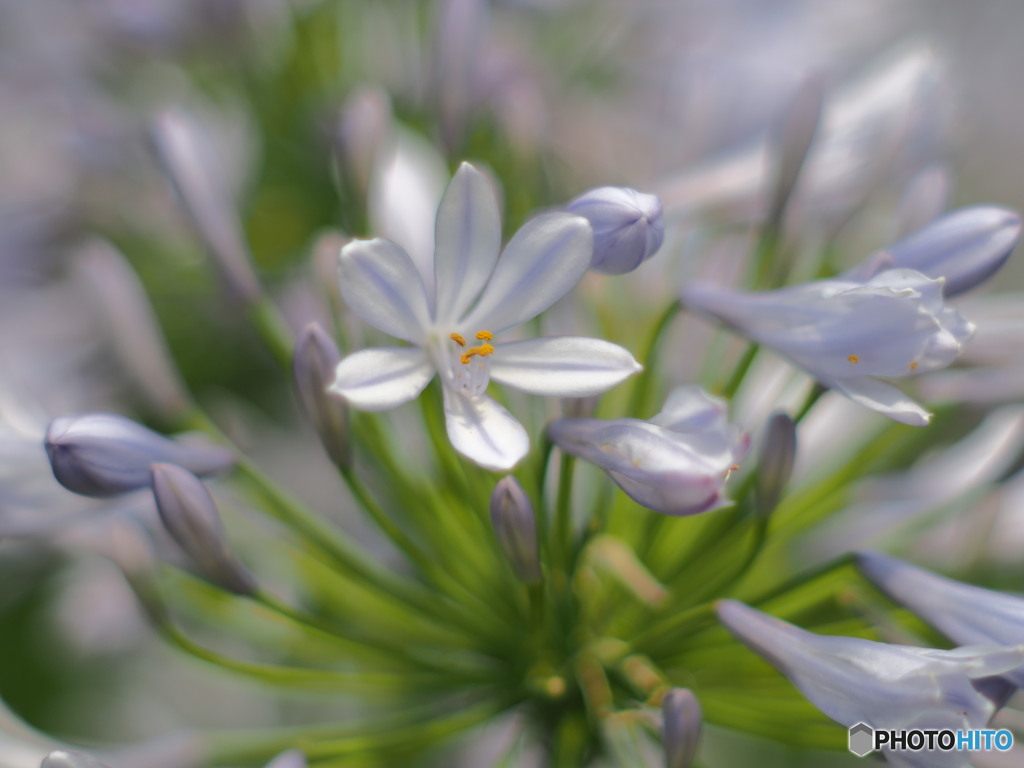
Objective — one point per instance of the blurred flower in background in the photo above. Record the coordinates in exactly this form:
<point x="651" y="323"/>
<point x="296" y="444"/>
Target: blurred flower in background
<point x="199" y="573"/>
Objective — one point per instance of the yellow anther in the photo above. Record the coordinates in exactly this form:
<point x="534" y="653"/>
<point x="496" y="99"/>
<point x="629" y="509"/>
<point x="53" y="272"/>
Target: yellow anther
<point x="483" y="351"/>
<point x="913" y="365"/>
<point x="484" y="335"/>
<point x="853" y="359"/>
<point x="458" y="339"/>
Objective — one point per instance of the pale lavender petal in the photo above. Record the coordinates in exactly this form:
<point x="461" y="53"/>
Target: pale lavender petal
<point x="467" y="241"/>
<point x="884" y="398"/>
<point x="379" y="378"/>
<point x="483" y="431"/>
<point x="543" y="261"/>
<point x="691" y="409"/>
<point x="627" y="224"/>
<point x="562" y="366"/>
<point x="380" y="283"/>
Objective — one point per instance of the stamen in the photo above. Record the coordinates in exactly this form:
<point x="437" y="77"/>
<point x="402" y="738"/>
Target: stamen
<point x="853" y="359"/>
<point x="483" y="351"/>
<point x="484" y="336"/>
<point x="458" y="339"/>
<point x="913" y="365"/>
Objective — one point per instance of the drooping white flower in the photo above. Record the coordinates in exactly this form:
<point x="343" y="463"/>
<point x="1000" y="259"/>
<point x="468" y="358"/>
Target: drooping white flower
<point x="675" y="463"/>
<point x="453" y="329"/>
<point x="847" y="333"/>
<point x="853" y="680"/>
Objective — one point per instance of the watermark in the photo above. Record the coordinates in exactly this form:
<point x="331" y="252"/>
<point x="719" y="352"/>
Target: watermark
<point x="864" y="740"/>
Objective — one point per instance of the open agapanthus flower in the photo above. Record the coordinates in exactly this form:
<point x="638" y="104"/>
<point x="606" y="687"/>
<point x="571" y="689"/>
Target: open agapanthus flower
<point x="454" y="329"/>
<point x="847" y="334"/>
<point x="676" y="463"/>
<point x="853" y="680"/>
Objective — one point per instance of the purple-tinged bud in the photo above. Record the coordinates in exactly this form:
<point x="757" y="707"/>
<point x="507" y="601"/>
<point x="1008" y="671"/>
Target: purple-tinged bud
<point x="189" y="162"/>
<point x="103" y="454"/>
<point x="965" y="247"/>
<point x="290" y="759"/>
<point x="64" y="758"/>
<point x="516" y="528"/>
<point x="778" y="453"/>
<point x="628" y="227"/>
<point x="313" y="365"/>
<point x="189" y="514"/>
<point x="681" y="725"/>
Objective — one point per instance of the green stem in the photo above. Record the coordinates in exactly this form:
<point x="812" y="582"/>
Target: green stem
<point x="740" y="371"/>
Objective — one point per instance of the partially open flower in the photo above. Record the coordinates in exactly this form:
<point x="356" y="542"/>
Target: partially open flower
<point x="885" y="686"/>
<point x="676" y="463"/>
<point x="846" y="333"/>
<point x="103" y="454"/>
<point x="628" y="228"/>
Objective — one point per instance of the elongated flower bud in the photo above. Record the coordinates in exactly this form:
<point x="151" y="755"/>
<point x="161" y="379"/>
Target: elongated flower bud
<point x="290" y="759"/>
<point x="681" y="726"/>
<point x="189" y="514"/>
<point x="516" y="528"/>
<point x="965" y="247"/>
<point x="63" y="758"/>
<point x="103" y="454"/>
<point x="313" y="365"/>
<point x="778" y="452"/>
<point x="628" y="227"/>
<point x="189" y="163"/>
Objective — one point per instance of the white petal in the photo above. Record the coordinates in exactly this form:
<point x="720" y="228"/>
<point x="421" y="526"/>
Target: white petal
<point x="483" y="431"/>
<point x="562" y="366"/>
<point x="467" y="237"/>
<point x="542" y="263"/>
<point x="884" y="398"/>
<point x="379" y="378"/>
<point x="380" y="283"/>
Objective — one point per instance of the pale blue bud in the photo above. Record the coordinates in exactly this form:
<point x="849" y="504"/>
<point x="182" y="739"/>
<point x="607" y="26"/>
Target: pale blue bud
<point x="313" y="365"/>
<point x="628" y="227"/>
<point x="775" y="465"/>
<point x="103" y="454"/>
<point x="681" y="726"/>
<point x="966" y="614"/>
<point x="965" y="248"/>
<point x="516" y="528"/>
<point x="189" y="514"/>
<point x="64" y="758"/>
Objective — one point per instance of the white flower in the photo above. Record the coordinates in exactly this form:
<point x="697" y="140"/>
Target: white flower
<point x="846" y="333"/>
<point x="453" y="329"/>
<point x="676" y="463"/>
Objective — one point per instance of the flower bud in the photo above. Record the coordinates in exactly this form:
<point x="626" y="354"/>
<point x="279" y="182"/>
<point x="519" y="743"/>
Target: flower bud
<point x="965" y="247"/>
<point x="290" y="759"/>
<point x="778" y="452"/>
<point x="187" y="160"/>
<point x="103" y="454"/>
<point x="516" y="528"/>
<point x="681" y="727"/>
<point x="628" y="227"/>
<point x="63" y="758"/>
<point x="190" y="516"/>
<point x="316" y="357"/>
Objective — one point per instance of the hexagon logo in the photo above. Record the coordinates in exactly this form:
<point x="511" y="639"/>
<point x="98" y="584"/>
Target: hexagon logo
<point x="862" y="739"/>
